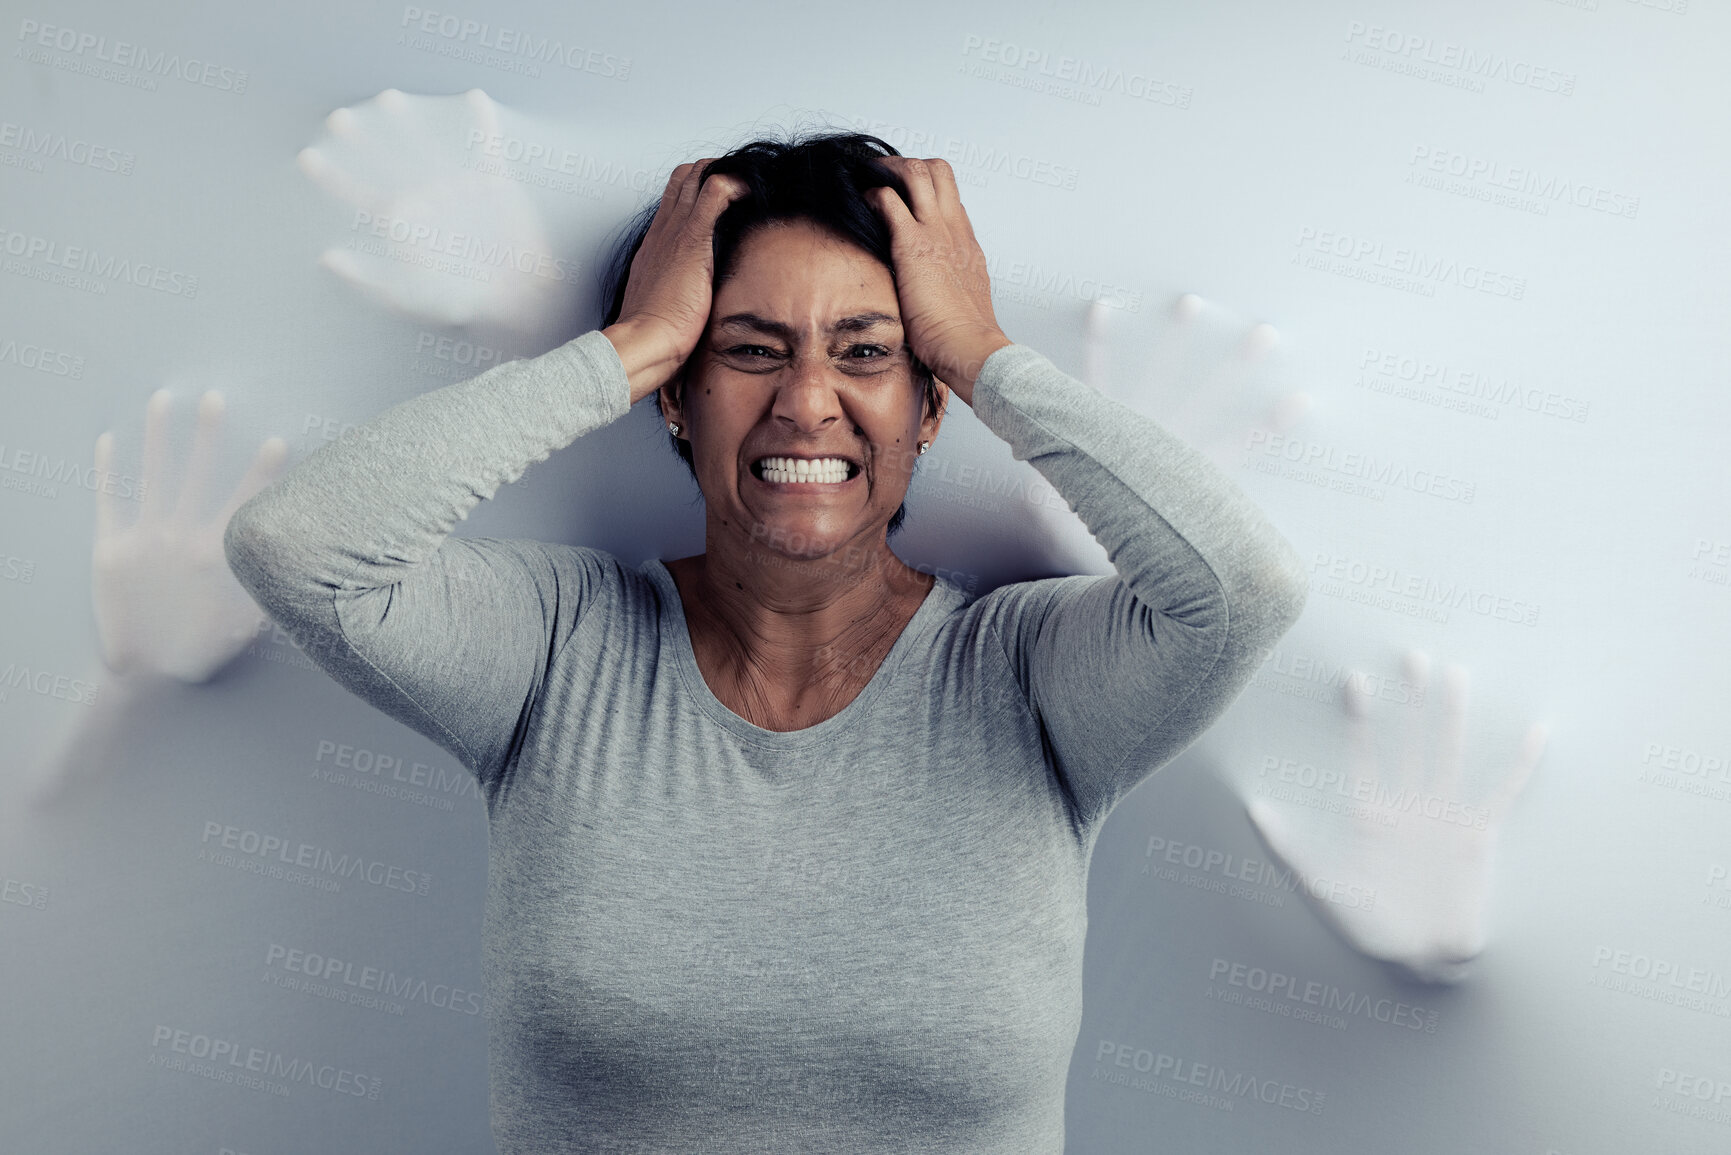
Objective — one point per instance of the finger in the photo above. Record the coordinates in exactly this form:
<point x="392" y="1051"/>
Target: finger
<point x="333" y="180"/>
<point x="1361" y="745"/>
<point x="693" y="183"/>
<point x="1093" y="344"/>
<point x="1217" y="406"/>
<point x="379" y="279"/>
<point x="266" y="467"/>
<point x="210" y="408"/>
<point x="1275" y="831"/>
<point x="1527" y="757"/>
<point x="1451" y="750"/>
<point x="664" y="209"/>
<point x="949" y="196"/>
<point x="344" y="124"/>
<point x="893" y="209"/>
<point x="1412" y="742"/>
<point x="1288" y="411"/>
<point x="154" y="475"/>
<point x="486" y="112"/>
<point x="917" y="175"/>
<point x="1261" y="341"/>
<point x="107" y="508"/>
<point x="718" y="192"/>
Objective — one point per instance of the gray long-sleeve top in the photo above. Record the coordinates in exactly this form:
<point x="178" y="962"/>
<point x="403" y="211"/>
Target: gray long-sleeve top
<point x="702" y="935"/>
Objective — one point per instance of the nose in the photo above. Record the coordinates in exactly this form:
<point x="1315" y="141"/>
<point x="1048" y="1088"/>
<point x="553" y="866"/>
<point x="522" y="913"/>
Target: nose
<point x="806" y="397"/>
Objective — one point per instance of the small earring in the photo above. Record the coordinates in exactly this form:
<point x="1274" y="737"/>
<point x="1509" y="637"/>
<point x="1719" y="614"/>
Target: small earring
<point x="924" y="445"/>
<point x="674" y="426"/>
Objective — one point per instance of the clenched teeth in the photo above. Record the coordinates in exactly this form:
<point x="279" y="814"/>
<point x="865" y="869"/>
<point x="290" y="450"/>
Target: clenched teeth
<point x="790" y="469"/>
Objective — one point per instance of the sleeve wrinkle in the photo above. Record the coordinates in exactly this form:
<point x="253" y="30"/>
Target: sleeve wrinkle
<point x="463" y="750"/>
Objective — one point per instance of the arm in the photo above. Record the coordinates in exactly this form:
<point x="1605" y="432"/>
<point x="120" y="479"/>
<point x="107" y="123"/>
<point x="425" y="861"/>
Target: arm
<point x="351" y="552"/>
<point x="1124" y="672"/>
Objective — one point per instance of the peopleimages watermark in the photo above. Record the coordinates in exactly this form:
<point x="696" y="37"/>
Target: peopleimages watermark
<point x="1323" y="679"/>
<point x="550" y="166"/>
<point x="1426" y="58"/>
<point x="41" y="475"/>
<point x="121" y="61"/>
<point x="1354" y="470"/>
<point x="1414" y="595"/>
<point x="1208" y="1084"/>
<point x="1068" y="77"/>
<point x="1397" y="267"/>
<point x="1711" y="561"/>
<point x="39" y="145"/>
<point x="87" y="269"/>
<point x="1545" y="188"/>
<point x="317" y="866"/>
<point x="41" y="358"/>
<point x="497" y="46"/>
<point x="463" y="247"/>
<point x="62" y="687"/>
<point x="17" y="569"/>
<point x="1226" y="873"/>
<point x="17" y="892"/>
<point x="1382" y="803"/>
<point x="1009" y="276"/>
<point x="1718" y="886"/>
<point x="360" y="985"/>
<point x="1689" y="771"/>
<point x="963" y="154"/>
<point x="1688" y="1092"/>
<point x="1288" y="996"/>
<point x="1661" y="980"/>
<point x="391" y="776"/>
<point x="1433" y="381"/>
<point x="231" y="1061"/>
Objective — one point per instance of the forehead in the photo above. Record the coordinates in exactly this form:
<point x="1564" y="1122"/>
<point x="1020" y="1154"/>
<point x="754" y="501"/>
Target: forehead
<point x="797" y="271"/>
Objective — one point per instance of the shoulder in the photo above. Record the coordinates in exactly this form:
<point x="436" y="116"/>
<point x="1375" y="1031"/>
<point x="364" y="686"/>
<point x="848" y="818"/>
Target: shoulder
<point x="1012" y="614"/>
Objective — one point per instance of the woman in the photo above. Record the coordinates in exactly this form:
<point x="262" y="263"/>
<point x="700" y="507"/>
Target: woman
<point x="788" y="842"/>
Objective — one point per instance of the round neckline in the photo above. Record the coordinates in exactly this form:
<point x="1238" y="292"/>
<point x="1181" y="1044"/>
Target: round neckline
<point x="676" y="636"/>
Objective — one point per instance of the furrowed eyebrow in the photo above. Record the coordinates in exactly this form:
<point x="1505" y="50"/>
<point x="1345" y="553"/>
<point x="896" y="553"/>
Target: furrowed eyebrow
<point x="859" y="323"/>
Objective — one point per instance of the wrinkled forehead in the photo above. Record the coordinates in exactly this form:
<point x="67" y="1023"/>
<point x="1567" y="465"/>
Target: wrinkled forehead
<point x="800" y="276"/>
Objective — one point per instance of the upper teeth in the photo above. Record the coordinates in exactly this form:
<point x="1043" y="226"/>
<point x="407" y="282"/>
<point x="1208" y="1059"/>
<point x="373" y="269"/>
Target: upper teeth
<point x="804" y="469"/>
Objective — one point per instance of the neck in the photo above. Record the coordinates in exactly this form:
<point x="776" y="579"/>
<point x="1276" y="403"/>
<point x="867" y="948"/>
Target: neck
<point x="804" y="616"/>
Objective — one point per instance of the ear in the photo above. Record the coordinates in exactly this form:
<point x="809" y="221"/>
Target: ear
<point x="670" y="397"/>
<point x="929" y="425"/>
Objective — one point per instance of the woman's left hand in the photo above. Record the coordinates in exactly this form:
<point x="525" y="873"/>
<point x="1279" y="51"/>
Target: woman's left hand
<point x="941" y="280"/>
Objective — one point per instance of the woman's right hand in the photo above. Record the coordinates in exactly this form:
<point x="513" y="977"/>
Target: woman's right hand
<point x="667" y="292"/>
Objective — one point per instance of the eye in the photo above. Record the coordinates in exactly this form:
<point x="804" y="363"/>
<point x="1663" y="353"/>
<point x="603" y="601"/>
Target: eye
<point x="751" y="351"/>
<point x="875" y="351"/>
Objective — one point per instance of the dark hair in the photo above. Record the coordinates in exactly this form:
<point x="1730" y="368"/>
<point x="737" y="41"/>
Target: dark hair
<point x="816" y="176"/>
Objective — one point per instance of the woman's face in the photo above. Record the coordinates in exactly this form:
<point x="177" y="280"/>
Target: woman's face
<point x="803" y="357"/>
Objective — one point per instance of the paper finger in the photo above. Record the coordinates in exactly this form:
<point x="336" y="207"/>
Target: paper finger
<point x="1527" y="757"/>
<point x="1360" y="742"/>
<point x="1288" y="411"/>
<point x="153" y="478"/>
<point x="210" y="409"/>
<point x="1451" y="749"/>
<point x="486" y="112"/>
<point x="1093" y="344"/>
<point x="1412" y="742"/>
<point x="335" y="181"/>
<point x="266" y="467"/>
<point x="107" y="508"/>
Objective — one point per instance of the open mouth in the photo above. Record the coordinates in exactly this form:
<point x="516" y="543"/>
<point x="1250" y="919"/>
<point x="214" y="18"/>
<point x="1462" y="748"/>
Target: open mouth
<point x="804" y="470"/>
